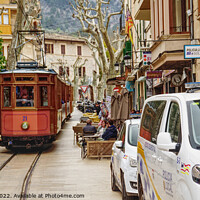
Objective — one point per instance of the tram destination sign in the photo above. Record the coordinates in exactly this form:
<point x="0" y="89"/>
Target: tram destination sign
<point x="191" y="51"/>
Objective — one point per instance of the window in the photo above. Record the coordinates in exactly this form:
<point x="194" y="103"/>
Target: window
<point x="24" y="78"/>
<point x="179" y="19"/>
<point x="7" y="79"/>
<point x="24" y="96"/>
<point x="4" y="19"/>
<point x="133" y="134"/>
<point x="7" y="96"/>
<point x="8" y="48"/>
<point x="43" y="96"/>
<point x="83" y="71"/>
<point x="174" y="122"/>
<point x="79" y="72"/>
<point x="61" y="71"/>
<point x="42" y="78"/>
<point x="79" y="52"/>
<point x="151" y="120"/>
<point x="67" y="71"/>
<point x="49" y="48"/>
<point x="62" y="49"/>
<point x="193" y="108"/>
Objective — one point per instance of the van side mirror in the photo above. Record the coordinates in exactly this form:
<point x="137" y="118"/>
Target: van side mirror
<point x="119" y="144"/>
<point x="164" y="142"/>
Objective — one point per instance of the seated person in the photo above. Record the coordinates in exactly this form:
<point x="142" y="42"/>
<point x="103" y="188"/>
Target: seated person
<point x="101" y="129"/>
<point x="89" y="128"/>
<point x="110" y="132"/>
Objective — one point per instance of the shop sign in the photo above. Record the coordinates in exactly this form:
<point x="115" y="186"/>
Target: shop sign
<point x="191" y="51"/>
<point x="146" y="58"/>
<point x="176" y="80"/>
<point x="154" y="74"/>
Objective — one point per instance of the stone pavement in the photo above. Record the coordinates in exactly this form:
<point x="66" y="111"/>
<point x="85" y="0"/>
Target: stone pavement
<point x="61" y="171"/>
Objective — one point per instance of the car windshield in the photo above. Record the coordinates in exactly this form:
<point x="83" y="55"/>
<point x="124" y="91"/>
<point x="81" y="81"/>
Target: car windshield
<point x="133" y="134"/>
<point x="194" y="125"/>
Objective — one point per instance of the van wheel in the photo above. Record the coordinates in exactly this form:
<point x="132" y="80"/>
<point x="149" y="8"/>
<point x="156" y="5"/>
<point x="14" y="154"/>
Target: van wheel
<point x="124" y="194"/>
<point x="113" y="182"/>
<point x="140" y="190"/>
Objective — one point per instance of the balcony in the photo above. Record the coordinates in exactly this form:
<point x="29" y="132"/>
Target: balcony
<point x="169" y="53"/>
<point x="142" y="10"/>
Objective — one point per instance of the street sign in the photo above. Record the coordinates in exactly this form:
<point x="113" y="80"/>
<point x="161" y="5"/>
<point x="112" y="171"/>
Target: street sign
<point x="116" y="89"/>
<point x="191" y="51"/>
<point x="146" y="58"/>
<point x="84" y="88"/>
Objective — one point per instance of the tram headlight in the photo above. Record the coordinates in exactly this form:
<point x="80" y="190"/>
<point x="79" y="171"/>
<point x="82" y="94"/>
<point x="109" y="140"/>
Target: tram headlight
<point x="25" y="125"/>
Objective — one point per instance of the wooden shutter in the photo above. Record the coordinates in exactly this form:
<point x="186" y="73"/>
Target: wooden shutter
<point x="52" y="48"/>
<point x="199" y="7"/>
<point x="79" y="50"/>
<point x="63" y="49"/>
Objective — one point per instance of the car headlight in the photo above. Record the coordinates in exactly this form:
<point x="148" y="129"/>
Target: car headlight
<point x="132" y="162"/>
<point x="196" y="174"/>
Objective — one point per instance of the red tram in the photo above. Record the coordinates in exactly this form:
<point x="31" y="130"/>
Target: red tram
<point x="34" y="103"/>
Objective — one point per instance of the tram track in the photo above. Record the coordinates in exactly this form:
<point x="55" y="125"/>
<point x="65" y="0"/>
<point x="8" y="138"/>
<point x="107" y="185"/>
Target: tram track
<point x="27" y="179"/>
<point x="7" y="161"/>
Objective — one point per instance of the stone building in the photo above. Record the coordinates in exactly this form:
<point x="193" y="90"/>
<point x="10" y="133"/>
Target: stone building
<point x="62" y="52"/>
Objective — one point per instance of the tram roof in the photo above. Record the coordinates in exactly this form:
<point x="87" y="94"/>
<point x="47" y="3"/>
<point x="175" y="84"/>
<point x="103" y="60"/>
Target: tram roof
<point x="28" y="71"/>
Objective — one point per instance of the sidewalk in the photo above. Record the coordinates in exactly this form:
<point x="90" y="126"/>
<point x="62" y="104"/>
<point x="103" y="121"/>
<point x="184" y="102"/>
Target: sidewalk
<point x="62" y="171"/>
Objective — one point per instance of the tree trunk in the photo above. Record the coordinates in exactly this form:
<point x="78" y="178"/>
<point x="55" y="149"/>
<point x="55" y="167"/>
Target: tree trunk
<point x="11" y="61"/>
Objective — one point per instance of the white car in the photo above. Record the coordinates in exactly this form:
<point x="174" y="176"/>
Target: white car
<point x="124" y="160"/>
<point x="169" y="147"/>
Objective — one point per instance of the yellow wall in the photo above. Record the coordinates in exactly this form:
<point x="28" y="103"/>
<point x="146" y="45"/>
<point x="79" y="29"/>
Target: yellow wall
<point x="5" y="1"/>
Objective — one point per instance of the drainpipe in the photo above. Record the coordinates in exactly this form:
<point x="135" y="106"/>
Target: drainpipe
<point x="192" y="35"/>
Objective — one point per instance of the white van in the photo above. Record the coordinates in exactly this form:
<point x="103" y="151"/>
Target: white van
<point x="169" y="148"/>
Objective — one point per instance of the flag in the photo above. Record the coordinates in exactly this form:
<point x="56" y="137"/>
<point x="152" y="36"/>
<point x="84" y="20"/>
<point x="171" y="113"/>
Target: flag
<point x="129" y="25"/>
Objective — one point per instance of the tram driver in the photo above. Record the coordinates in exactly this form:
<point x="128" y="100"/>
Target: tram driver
<point x="24" y="96"/>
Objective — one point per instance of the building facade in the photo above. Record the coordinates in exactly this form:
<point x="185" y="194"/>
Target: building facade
<point x="163" y="27"/>
<point x="71" y="58"/>
<point x="7" y="21"/>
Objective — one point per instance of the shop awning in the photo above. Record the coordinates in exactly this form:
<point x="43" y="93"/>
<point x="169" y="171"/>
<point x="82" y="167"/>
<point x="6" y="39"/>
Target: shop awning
<point x="142" y="78"/>
<point x="116" y="81"/>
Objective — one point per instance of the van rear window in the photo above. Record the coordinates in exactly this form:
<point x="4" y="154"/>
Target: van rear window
<point x="151" y="120"/>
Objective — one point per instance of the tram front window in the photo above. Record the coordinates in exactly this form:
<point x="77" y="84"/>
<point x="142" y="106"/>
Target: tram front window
<point x="44" y="95"/>
<point x="24" y="96"/>
<point x="7" y="96"/>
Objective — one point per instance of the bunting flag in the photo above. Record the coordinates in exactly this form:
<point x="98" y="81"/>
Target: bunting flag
<point x="129" y="25"/>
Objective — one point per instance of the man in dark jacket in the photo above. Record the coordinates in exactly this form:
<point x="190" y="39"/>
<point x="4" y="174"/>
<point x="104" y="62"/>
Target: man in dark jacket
<point x="89" y="128"/>
<point x="110" y="132"/>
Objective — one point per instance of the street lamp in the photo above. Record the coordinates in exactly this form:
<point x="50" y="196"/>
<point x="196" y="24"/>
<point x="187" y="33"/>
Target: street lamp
<point x="116" y="67"/>
<point x="122" y="68"/>
<point x="127" y="60"/>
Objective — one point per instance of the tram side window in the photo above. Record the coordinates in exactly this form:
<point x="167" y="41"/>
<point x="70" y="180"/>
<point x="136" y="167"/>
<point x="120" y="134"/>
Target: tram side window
<point x="24" y="96"/>
<point x="7" y="96"/>
<point x="44" y="95"/>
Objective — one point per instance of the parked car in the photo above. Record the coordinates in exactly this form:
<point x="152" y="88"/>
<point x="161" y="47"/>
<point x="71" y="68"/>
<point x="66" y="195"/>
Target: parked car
<point x="169" y="147"/>
<point x="124" y="160"/>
